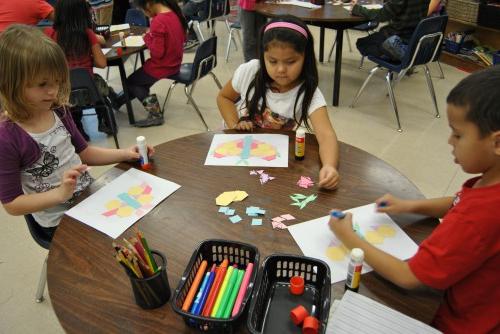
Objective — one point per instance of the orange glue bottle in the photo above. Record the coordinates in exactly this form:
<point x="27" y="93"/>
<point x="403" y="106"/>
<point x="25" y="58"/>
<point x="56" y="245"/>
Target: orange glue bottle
<point x="300" y="144"/>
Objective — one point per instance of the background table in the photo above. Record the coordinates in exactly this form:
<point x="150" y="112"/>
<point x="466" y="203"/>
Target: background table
<point x="115" y="60"/>
<point x="90" y="292"/>
<point x="328" y="16"/>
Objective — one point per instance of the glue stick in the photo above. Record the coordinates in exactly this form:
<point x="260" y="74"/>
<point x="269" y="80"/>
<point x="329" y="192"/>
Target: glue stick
<point x="143" y="151"/>
<point x="354" y="269"/>
<point x="300" y="144"/>
<point x="122" y="39"/>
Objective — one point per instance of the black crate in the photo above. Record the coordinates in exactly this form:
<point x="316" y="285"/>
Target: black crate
<point x="215" y="251"/>
<point x="272" y="300"/>
<point x="451" y="46"/>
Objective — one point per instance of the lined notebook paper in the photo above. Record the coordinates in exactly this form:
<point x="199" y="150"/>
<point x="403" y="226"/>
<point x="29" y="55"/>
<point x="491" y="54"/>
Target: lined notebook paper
<point x="359" y="314"/>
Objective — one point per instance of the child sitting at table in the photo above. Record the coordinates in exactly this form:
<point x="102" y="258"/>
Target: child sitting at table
<point x="72" y="30"/>
<point x="280" y="91"/>
<point x="462" y="255"/>
<point x="44" y="157"/>
<point x="165" y="42"/>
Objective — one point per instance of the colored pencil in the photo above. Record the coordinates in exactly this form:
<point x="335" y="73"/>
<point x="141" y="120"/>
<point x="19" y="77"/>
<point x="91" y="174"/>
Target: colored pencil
<point x="194" y="286"/>
<point x="222" y="290"/>
<point x="212" y="295"/>
<point x="243" y="289"/>
<point x="234" y="293"/>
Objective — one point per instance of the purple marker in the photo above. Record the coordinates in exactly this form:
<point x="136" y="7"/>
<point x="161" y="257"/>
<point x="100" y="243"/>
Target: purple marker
<point x="337" y="214"/>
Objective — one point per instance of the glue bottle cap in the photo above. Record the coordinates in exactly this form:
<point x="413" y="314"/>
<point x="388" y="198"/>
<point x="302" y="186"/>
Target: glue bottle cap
<point x="297" y="285"/>
<point x="298" y="314"/>
<point x="141" y="140"/>
<point x="357" y="254"/>
<point x="310" y="326"/>
<point x="300" y="132"/>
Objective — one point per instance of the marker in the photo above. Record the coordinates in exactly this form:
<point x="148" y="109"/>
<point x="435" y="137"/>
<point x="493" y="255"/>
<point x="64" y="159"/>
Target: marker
<point x="197" y="300"/>
<point x="212" y="295"/>
<point x="234" y="293"/>
<point x="143" y="151"/>
<point x="227" y="293"/>
<point x="222" y="291"/>
<point x="204" y="294"/>
<point x="194" y="286"/>
<point x="382" y="204"/>
<point x="243" y="289"/>
<point x="337" y="214"/>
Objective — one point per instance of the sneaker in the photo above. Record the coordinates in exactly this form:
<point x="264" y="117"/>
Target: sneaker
<point x="155" y="114"/>
<point x="191" y="43"/>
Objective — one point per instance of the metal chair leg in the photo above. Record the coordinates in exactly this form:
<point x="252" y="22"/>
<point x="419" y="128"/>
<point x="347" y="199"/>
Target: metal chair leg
<point x="136" y="59"/>
<point x="107" y="74"/>
<point x="198" y="32"/>
<point x="431" y="89"/>
<point x="348" y="40"/>
<point x="440" y="70"/>
<point x="191" y="100"/>
<point x="361" y="62"/>
<point x="388" y="79"/>
<point x="42" y="281"/>
<point x="230" y="38"/>
<point x="111" y="121"/>
<point x="168" y="95"/>
<point x="372" y="72"/>
<point x="331" y="50"/>
<point x="217" y="82"/>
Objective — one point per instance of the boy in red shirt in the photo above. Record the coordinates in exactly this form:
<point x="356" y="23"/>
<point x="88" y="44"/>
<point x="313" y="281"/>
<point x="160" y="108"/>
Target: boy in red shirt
<point x="462" y="255"/>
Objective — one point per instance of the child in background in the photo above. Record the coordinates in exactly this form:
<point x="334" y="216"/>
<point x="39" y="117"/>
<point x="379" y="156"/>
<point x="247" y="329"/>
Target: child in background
<point x="165" y="42"/>
<point x="72" y="30"/>
<point x="284" y="79"/>
<point x="44" y="156"/>
<point x="462" y="255"/>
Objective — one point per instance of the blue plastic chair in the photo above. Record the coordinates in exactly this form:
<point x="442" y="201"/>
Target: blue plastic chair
<point x="136" y="17"/>
<point x="423" y="47"/>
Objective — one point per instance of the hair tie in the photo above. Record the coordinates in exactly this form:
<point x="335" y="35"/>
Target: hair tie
<point x="288" y="25"/>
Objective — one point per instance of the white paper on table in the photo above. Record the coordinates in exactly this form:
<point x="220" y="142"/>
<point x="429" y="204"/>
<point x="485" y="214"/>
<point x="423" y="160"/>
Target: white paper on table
<point x="299" y="3"/>
<point x="359" y="314"/>
<point x="131" y="41"/>
<point x="316" y="240"/>
<point x="118" y="27"/>
<point x="371" y="6"/>
<point x="119" y="204"/>
<point x="106" y="50"/>
<point x="257" y="150"/>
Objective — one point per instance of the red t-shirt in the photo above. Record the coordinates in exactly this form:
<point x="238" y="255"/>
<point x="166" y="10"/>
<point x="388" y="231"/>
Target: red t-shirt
<point x="462" y="256"/>
<point x="80" y="62"/>
<point x="23" y="11"/>
<point x="165" y="41"/>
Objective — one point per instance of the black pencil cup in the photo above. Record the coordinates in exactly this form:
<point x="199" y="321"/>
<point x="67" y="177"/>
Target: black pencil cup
<point x="152" y="292"/>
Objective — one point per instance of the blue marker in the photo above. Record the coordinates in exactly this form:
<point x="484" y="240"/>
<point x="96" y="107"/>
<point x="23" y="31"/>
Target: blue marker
<point x="337" y="214"/>
<point x="197" y="310"/>
<point x="196" y="304"/>
<point x="382" y="204"/>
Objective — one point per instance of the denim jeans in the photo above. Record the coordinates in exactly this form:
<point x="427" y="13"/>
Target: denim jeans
<point x="251" y="23"/>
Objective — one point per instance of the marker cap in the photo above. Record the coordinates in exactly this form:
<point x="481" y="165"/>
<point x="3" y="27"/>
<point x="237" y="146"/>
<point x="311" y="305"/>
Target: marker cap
<point x="310" y="326"/>
<point x="297" y="285"/>
<point x="298" y="314"/>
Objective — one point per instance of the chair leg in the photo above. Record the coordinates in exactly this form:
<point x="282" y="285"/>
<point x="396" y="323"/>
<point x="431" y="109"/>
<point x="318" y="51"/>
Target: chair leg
<point x="431" y="89"/>
<point x="42" y="281"/>
<point x="230" y="38"/>
<point x="331" y="50"/>
<point x="217" y="82"/>
<point x="361" y="62"/>
<point x="107" y="74"/>
<point x="440" y="70"/>
<point x="372" y="72"/>
<point x="191" y="100"/>
<point x="197" y="30"/>
<point x="388" y="79"/>
<point x="136" y="59"/>
<point x="348" y="40"/>
<point x="111" y="121"/>
<point x="170" y="89"/>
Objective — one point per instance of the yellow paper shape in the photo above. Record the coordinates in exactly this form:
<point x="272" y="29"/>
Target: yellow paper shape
<point x="335" y="253"/>
<point x="113" y="204"/>
<point x="240" y="195"/>
<point x="386" y="231"/>
<point x="374" y="237"/>
<point x="145" y="199"/>
<point x="125" y="211"/>
<point x="225" y="198"/>
<point x="137" y="190"/>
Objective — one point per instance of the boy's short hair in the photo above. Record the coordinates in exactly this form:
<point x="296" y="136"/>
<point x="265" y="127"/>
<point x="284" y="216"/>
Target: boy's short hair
<point x="479" y="94"/>
<point x="26" y="55"/>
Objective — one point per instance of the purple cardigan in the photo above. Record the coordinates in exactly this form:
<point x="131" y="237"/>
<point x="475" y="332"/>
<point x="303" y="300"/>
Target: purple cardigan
<point x="18" y="150"/>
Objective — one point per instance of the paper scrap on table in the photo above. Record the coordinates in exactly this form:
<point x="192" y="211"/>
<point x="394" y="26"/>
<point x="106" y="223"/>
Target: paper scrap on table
<point x="131" y="41"/>
<point x="371" y="317"/>
<point x="118" y="27"/>
<point x="302" y="200"/>
<point x="106" y="50"/>
<point x="263" y="177"/>
<point x="297" y="3"/>
<point x="316" y="240"/>
<point x="223" y="209"/>
<point x="279" y="225"/>
<point x="228" y="197"/>
<point x="305" y="182"/>
<point x="277" y="222"/>
<point x="235" y="219"/>
<point x="268" y="150"/>
<point x="230" y="212"/>
<point x="254" y="211"/>
<point x="120" y="203"/>
<point x="256" y="221"/>
<point x="371" y="6"/>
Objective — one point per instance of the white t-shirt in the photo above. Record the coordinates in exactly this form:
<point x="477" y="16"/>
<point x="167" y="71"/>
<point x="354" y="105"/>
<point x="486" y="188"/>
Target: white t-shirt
<point x="57" y="155"/>
<point x="280" y="105"/>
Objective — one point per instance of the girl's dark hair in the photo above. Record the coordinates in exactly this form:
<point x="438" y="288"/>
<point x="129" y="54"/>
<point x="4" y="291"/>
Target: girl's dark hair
<point x="72" y="19"/>
<point x="172" y="4"/>
<point x="309" y="75"/>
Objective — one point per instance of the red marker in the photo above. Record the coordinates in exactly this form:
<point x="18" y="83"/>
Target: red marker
<point x="212" y="295"/>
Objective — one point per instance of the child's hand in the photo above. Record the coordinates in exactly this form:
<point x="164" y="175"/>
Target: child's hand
<point x="244" y="125"/>
<point x="68" y="182"/>
<point x="391" y="204"/>
<point x="341" y="227"/>
<point x="132" y="153"/>
<point x="328" y="177"/>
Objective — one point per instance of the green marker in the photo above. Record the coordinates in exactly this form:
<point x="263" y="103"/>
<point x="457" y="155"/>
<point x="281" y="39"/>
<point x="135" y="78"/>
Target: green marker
<point x="234" y="294"/>
<point x="222" y="290"/>
<point x="227" y="293"/>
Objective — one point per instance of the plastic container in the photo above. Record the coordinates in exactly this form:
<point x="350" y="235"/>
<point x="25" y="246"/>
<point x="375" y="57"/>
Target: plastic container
<point x="215" y="251"/>
<point x="496" y="58"/>
<point x="272" y="301"/>
<point x="451" y="46"/>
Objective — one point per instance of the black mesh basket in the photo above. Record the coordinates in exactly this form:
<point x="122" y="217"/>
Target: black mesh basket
<point x="215" y="251"/>
<point x="272" y="302"/>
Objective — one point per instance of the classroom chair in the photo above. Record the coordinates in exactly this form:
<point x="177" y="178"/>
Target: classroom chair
<point x="214" y="10"/>
<point x="204" y="62"/>
<point x="43" y="241"/>
<point x="233" y="28"/>
<point x="83" y="84"/>
<point x="422" y="49"/>
<point x="135" y="17"/>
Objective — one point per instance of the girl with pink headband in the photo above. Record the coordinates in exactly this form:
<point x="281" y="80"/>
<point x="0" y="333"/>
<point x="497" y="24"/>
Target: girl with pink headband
<point x="279" y="90"/>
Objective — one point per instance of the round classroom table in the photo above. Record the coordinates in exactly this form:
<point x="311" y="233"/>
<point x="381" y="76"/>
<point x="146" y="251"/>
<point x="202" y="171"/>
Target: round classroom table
<point x="90" y="292"/>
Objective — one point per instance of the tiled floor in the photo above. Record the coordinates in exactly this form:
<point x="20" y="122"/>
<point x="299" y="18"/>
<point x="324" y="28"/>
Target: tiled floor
<point x="421" y="152"/>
